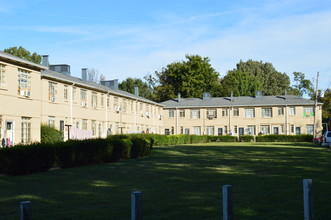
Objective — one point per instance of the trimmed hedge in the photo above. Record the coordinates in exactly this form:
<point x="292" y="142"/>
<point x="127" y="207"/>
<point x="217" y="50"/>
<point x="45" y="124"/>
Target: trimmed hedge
<point x="285" y="138"/>
<point x="246" y="138"/>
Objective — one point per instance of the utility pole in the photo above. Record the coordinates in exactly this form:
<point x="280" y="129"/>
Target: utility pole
<point x="315" y="109"/>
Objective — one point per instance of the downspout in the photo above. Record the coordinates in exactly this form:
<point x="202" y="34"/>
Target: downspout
<point x="286" y="119"/>
<point x="230" y="111"/>
<point x="176" y="120"/>
<point x="107" y="102"/>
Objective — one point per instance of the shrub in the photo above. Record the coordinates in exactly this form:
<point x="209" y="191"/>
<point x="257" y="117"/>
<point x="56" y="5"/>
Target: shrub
<point x="285" y="138"/>
<point x="246" y="138"/>
<point x="121" y="149"/>
<point x="140" y="147"/>
<point x="50" y="135"/>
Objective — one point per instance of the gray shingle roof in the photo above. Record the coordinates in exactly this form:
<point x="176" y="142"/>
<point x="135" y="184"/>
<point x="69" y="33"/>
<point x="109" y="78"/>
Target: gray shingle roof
<point x="70" y="79"/>
<point x="8" y="56"/>
<point x="238" y="101"/>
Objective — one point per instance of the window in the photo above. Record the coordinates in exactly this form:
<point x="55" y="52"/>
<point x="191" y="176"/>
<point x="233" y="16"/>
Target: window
<point x="94" y="100"/>
<point x="166" y="131"/>
<point x="94" y="127"/>
<point x="249" y="113"/>
<point x="181" y="130"/>
<point x="84" y="124"/>
<point x="292" y="110"/>
<point x="124" y="105"/>
<point x="26" y="130"/>
<point x="51" y="121"/>
<point x="171" y="113"/>
<point x="197" y="130"/>
<point x="65" y="92"/>
<point x="308" y="111"/>
<point x="83" y="95"/>
<point x="235" y="111"/>
<point x="187" y="131"/>
<point x="250" y="130"/>
<point x="211" y="113"/>
<point x="224" y="112"/>
<point x="280" y="110"/>
<point x="102" y="100"/>
<point x="182" y="113"/>
<point x="235" y="129"/>
<point x="115" y="103"/>
<point x="74" y="92"/>
<point x="292" y="128"/>
<point x="310" y="129"/>
<point x="2" y="75"/>
<point x="107" y="101"/>
<point x="24" y="82"/>
<point x="225" y="129"/>
<point x="265" y="129"/>
<point x="52" y="91"/>
<point x="195" y="114"/>
<point x="210" y="130"/>
<point x="266" y="112"/>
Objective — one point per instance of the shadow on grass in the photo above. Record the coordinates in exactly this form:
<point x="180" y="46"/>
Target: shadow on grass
<point x="181" y="182"/>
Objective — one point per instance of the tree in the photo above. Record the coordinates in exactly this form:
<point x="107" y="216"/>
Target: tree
<point x="326" y="108"/>
<point x="240" y="83"/>
<point x="93" y="75"/>
<point x="302" y="86"/>
<point x="130" y="83"/>
<point x="189" y="78"/>
<point x="272" y="81"/>
<point x="25" y="54"/>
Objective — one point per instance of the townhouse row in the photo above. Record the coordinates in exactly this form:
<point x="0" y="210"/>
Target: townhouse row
<point x="258" y="115"/>
<point x="33" y="94"/>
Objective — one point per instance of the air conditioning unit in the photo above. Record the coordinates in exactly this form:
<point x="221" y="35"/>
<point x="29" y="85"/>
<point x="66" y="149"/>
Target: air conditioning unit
<point x="117" y="109"/>
<point x="210" y="117"/>
<point x="22" y="92"/>
<point x="147" y="114"/>
<point x="142" y="114"/>
<point x="160" y="117"/>
<point x="28" y="93"/>
<point x="53" y="98"/>
<point x="84" y="104"/>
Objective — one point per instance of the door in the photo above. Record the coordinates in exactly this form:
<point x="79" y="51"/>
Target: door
<point x="297" y="130"/>
<point x="276" y="130"/>
<point x="220" y="131"/>
<point x="241" y="131"/>
<point x="9" y="133"/>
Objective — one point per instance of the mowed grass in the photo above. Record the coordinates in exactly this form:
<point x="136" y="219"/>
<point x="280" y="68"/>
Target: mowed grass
<point x="181" y="182"/>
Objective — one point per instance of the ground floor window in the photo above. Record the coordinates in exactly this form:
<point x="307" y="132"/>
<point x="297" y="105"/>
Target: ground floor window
<point x="166" y="131"/>
<point x="265" y="129"/>
<point x="26" y="130"/>
<point x="250" y="130"/>
<point x="187" y="131"/>
<point x="310" y="129"/>
<point x="210" y="130"/>
<point x="197" y="130"/>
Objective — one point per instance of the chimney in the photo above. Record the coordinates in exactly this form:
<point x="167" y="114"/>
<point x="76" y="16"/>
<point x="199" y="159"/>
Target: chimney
<point x="84" y="74"/>
<point x="113" y="84"/>
<point x="136" y="91"/>
<point x="44" y="61"/>
<point x="258" y="94"/>
<point x="178" y="97"/>
<point x="231" y="96"/>
<point x="206" y="96"/>
<point x="61" y="68"/>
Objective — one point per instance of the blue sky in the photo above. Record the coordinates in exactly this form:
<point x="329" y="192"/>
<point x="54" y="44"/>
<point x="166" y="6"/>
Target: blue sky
<point x="129" y="38"/>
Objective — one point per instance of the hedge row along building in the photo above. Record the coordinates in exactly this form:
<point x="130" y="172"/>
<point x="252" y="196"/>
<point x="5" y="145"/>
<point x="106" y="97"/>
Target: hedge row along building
<point x="33" y="94"/>
<point x="257" y="115"/>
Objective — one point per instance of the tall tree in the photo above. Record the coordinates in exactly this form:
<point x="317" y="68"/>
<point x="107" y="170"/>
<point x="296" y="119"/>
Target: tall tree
<point x="144" y="90"/>
<point x="326" y="108"/>
<point x="24" y="53"/>
<point x="189" y="78"/>
<point x="272" y="81"/>
<point x="93" y="75"/>
<point x="302" y="86"/>
<point x="240" y="83"/>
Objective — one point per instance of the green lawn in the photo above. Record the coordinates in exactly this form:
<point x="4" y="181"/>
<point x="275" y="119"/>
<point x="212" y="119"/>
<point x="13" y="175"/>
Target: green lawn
<point x="182" y="182"/>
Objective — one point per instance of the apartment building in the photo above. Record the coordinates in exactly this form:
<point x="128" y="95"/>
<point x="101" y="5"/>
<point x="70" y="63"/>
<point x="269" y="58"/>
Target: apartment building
<point x="20" y="98"/>
<point x="237" y="116"/>
<point x="35" y="94"/>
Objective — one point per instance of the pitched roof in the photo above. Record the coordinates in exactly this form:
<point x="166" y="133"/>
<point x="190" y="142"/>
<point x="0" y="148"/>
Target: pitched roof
<point x="12" y="58"/>
<point x="289" y="100"/>
<point x="77" y="81"/>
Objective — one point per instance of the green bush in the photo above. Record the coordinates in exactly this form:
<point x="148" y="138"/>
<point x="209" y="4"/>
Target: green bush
<point x="140" y="147"/>
<point x="223" y="138"/>
<point x="121" y="149"/>
<point x="26" y="159"/>
<point x="50" y="135"/>
<point x="285" y="138"/>
<point x="246" y="138"/>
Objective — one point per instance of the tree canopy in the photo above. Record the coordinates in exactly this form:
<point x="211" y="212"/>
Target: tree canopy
<point x="190" y="78"/>
<point x="272" y="81"/>
<point x="302" y="86"/>
<point x="326" y="108"/>
<point x="144" y="90"/>
<point x="24" y="53"/>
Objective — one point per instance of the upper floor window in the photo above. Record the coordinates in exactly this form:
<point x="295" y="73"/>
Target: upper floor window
<point x="102" y="100"/>
<point x="224" y="112"/>
<point x="308" y="111"/>
<point x="2" y="75"/>
<point x="211" y="113"/>
<point x="280" y="110"/>
<point x="124" y="105"/>
<point x="171" y="113"/>
<point x="182" y="113"/>
<point x="94" y="100"/>
<point x="195" y="113"/>
<point x="249" y="113"/>
<point x="292" y="111"/>
<point x="74" y="92"/>
<point x="235" y="111"/>
<point x="83" y="97"/>
<point x="24" y="82"/>
<point x="65" y="92"/>
<point x="52" y="91"/>
<point x="116" y="105"/>
<point x="266" y="112"/>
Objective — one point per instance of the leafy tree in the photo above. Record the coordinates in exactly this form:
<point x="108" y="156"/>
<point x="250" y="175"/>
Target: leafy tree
<point x="272" y="81"/>
<point x="302" y="86"/>
<point x="50" y="135"/>
<point x="144" y="90"/>
<point x="189" y="78"/>
<point x="24" y="53"/>
<point x="240" y="83"/>
<point x="326" y="108"/>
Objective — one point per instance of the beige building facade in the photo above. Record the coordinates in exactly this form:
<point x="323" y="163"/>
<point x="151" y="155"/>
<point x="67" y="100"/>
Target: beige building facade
<point x="237" y="116"/>
<point x="33" y="94"/>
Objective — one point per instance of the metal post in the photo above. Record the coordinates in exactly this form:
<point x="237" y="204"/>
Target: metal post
<point x="307" y="199"/>
<point x="25" y="209"/>
<point x="136" y="205"/>
<point x="227" y="203"/>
